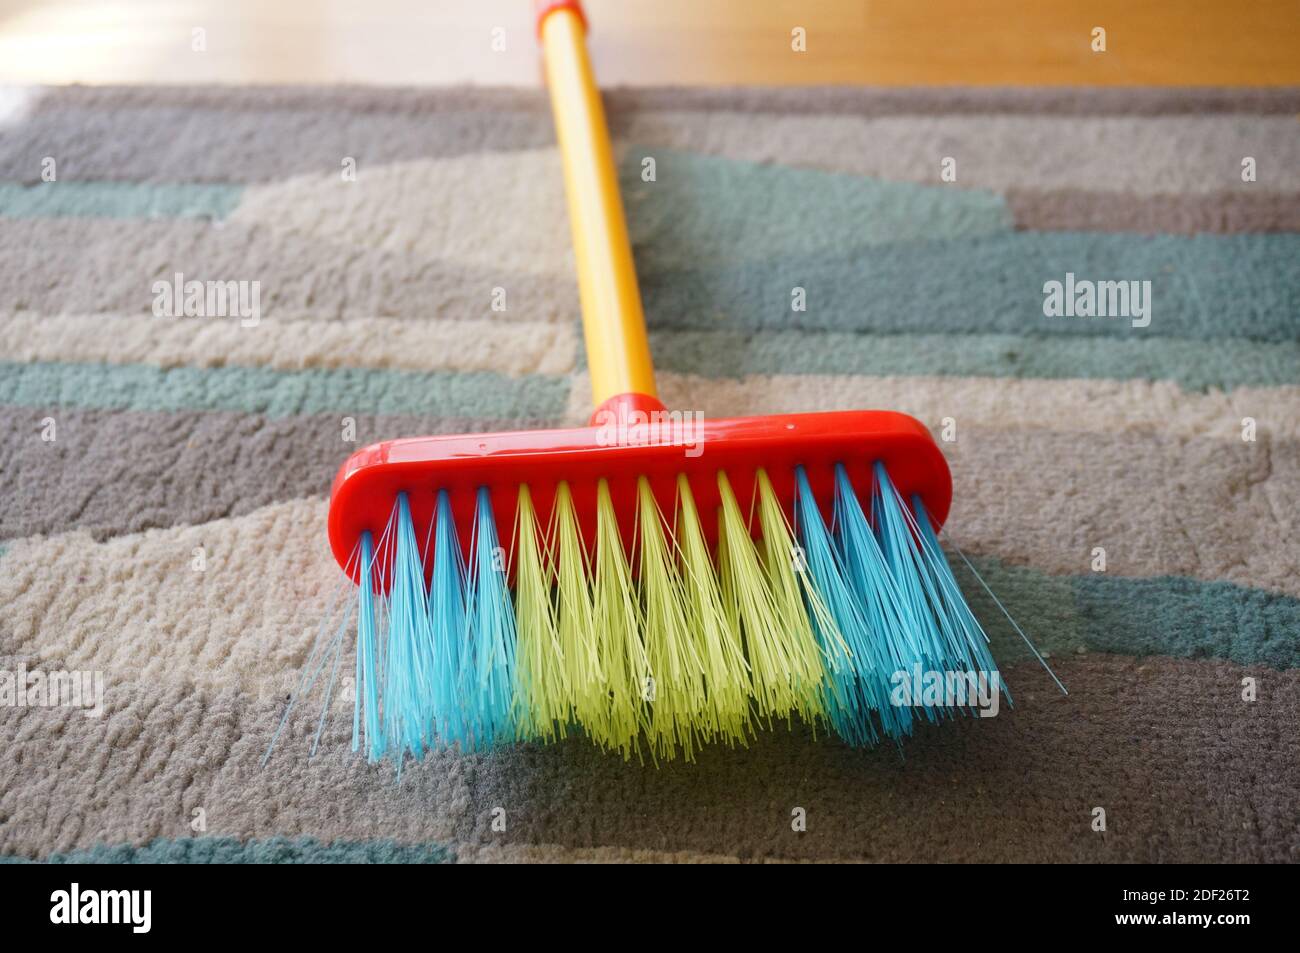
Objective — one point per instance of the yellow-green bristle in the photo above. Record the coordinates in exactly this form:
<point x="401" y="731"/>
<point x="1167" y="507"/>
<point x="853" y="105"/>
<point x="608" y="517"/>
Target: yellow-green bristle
<point x="575" y="626"/>
<point x="681" y="713"/>
<point x="543" y="702"/>
<point x="717" y="639"/>
<point x="618" y="634"/>
<point x="785" y="665"/>
<point x="683" y="654"/>
<point x="795" y="596"/>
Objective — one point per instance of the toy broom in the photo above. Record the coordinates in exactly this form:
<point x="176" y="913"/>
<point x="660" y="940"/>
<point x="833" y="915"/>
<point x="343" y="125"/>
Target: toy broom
<point x="652" y="589"/>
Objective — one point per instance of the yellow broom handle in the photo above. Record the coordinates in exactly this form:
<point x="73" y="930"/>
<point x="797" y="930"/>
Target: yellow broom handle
<point x="613" y="323"/>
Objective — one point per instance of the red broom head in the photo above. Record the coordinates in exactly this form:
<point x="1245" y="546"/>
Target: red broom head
<point x="656" y="444"/>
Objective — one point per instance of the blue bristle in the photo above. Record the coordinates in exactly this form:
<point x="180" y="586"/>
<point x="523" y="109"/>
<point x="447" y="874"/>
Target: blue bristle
<point x="950" y="645"/>
<point x="409" y="662"/>
<point x="853" y="696"/>
<point x="954" y="605"/>
<point x="898" y="546"/>
<point x="488" y="670"/>
<point x="892" y="636"/>
<point x="936" y="611"/>
<point x="447" y="628"/>
<point x="908" y="571"/>
<point x="365" y="712"/>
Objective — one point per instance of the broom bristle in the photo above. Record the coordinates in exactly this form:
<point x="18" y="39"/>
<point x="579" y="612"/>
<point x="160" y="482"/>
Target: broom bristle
<point x="542" y="702"/>
<point x="659" y="646"/>
<point x="488" y="677"/>
<point x="721" y="651"/>
<point x="681" y="714"/>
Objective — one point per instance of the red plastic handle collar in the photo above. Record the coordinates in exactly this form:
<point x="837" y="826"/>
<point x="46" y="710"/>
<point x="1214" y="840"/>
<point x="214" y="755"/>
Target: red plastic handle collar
<point x="623" y="405"/>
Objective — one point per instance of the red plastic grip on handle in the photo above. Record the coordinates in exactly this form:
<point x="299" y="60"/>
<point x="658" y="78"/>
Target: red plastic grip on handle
<point x="544" y="8"/>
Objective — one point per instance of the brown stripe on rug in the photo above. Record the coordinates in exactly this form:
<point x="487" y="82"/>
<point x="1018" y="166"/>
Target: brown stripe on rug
<point x="1220" y="212"/>
<point x="1070" y="405"/>
<point x="154" y="136"/>
<point x="1181" y="154"/>
<point x="1228" y="514"/>
<point x="1022" y="786"/>
<point x="940" y="100"/>
<point x="805" y="100"/>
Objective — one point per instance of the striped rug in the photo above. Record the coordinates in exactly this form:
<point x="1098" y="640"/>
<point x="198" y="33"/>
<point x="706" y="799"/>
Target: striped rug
<point x="165" y="478"/>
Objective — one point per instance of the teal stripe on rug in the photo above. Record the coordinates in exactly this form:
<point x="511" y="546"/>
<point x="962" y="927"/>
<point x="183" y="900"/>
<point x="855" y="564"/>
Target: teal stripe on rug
<point x="118" y="200"/>
<point x="280" y="393"/>
<point x="272" y="850"/>
<point x="1193" y="364"/>
<point x="1161" y="615"/>
<point x="703" y="209"/>
<point x="1205" y="286"/>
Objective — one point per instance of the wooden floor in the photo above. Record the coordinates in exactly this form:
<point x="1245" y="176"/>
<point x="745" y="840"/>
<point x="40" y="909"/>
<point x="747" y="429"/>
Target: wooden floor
<point x="641" y="42"/>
